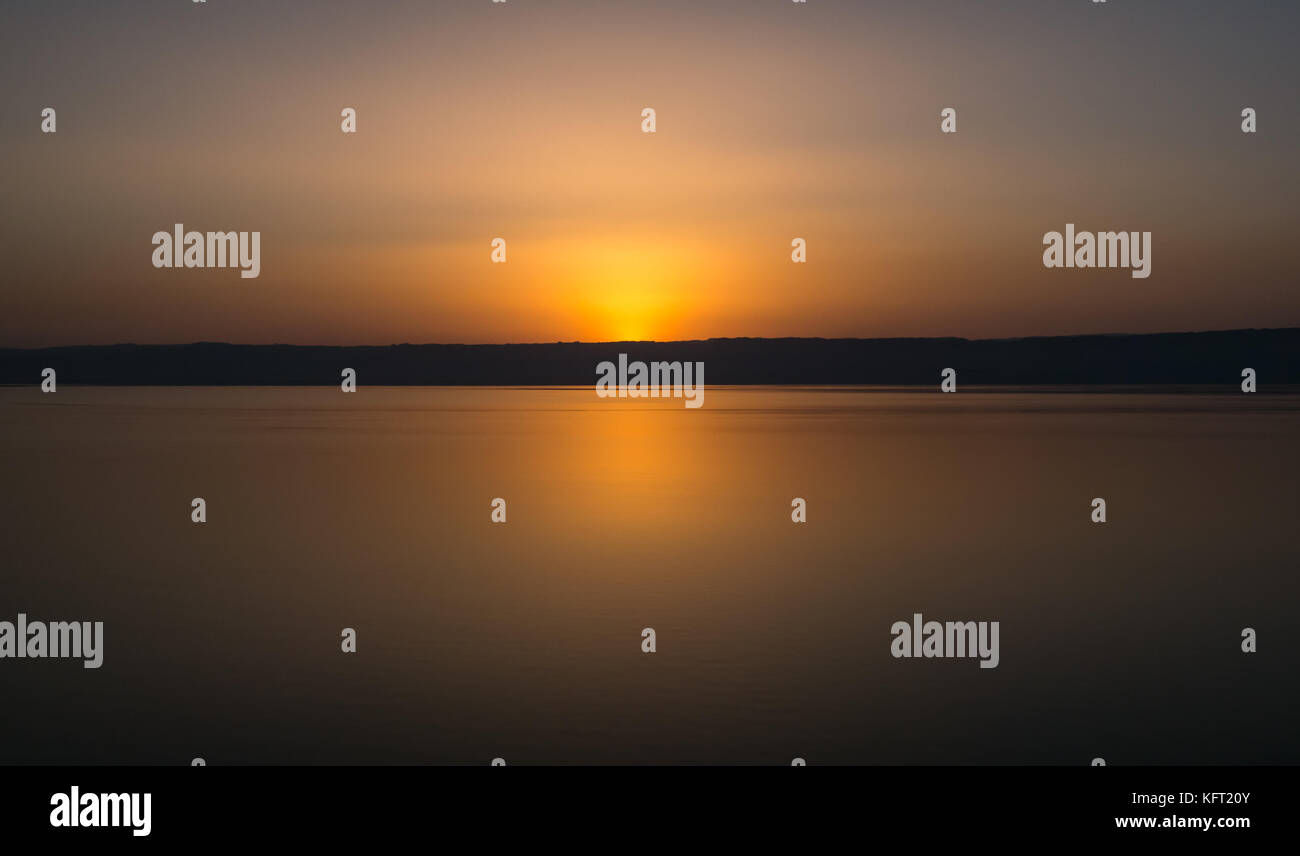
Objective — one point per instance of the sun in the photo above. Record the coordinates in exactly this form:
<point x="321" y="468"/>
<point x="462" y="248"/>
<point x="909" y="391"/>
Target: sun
<point x="628" y="293"/>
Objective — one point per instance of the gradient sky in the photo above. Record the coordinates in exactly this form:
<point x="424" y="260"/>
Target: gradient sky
<point x="522" y="120"/>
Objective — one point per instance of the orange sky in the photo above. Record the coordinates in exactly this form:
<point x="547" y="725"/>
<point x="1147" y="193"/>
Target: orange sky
<point x="522" y="121"/>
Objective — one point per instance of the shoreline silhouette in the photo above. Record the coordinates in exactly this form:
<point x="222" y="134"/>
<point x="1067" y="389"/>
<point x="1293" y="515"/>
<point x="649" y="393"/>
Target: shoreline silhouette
<point x="1211" y="357"/>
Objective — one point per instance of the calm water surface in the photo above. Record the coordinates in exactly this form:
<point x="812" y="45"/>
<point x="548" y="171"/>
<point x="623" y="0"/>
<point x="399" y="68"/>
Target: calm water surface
<point x="478" y="640"/>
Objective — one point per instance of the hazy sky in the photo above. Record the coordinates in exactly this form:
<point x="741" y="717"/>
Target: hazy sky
<point x="522" y="120"/>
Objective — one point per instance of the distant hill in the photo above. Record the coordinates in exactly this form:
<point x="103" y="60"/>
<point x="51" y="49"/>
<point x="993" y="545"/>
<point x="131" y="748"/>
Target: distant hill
<point x="1162" y="358"/>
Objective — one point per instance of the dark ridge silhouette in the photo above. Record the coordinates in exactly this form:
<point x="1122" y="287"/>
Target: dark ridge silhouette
<point x="1161" y="358"/>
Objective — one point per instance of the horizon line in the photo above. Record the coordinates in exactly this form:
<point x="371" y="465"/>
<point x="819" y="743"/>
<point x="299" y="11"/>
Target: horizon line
<point x="660" y="341"/>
